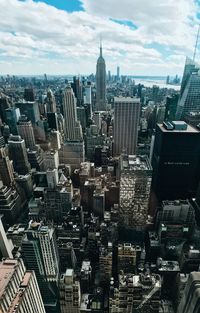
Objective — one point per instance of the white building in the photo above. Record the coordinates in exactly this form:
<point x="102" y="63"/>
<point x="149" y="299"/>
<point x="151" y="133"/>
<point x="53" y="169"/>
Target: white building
<point x="19" y="291"/>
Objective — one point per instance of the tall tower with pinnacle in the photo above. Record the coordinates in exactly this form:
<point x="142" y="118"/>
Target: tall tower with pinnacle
<point x="101" y="82"/>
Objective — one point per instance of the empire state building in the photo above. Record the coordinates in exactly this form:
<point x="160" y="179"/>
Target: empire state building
<point x="101" y="83"/>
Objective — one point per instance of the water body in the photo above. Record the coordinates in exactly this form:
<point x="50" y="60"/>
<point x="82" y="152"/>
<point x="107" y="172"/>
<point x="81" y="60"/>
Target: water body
<point x="150" y="81"/>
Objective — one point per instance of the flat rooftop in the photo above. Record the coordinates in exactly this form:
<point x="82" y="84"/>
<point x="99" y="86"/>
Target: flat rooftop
<point x="7" y="269"/>
<point x="126" y="100"/>
<point x="190" y="129"/>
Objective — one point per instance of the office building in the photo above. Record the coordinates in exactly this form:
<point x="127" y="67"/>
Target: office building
<point x="78" y="90"/>
<point x="178" y="212"/>
<point x="100" y="83"/>
<point x="29" y="94"/>
<point x="2" y="141"/>
<point x="10" y="204"/>
<point x="39" y="251"/>
<point x="5" y="103"/>
<point x="72" y="153"/>
<point x="70" y="295"/>
<point x="51" y="160"/>
<point x="171" y="107"/>
<point x="88" y="94"/>
<point x="189" y="93"/>
<point x="6" y="168"/>
<point x="19" y="291"/>
<point x="6" y="245"/>
<point x="135" y="184"/>
<point x="118" y="72"/>
<point x="12" y="117"/>
<point x="72" y="128"/>
<point x="35" y="158"/>
<point x="52" y="119"/>
<point x="193" y="118"/>
<point x="50" y="102"/>
<point x="126" y="123"/>
<point x="127" y="257"/>
<point x="58" y="196"/>
<point x="175" y="161"/>
<point x="25" y="130"/>
<point x="190" y="302"/>
<point x="30" y="109"/>
<point x="18" y="154"/>
<point x="86" y="276"/>
<point x="105" y="263"/>
<point x="81" y="116"/>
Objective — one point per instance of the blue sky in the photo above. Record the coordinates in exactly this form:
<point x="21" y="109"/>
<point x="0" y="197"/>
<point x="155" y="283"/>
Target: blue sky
<point x="68" y="5"/>
<point x="62" y="36"/>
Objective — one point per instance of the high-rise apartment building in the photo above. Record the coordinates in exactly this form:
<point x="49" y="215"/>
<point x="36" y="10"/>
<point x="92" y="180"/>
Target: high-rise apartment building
<point x="135" y="184"/>
<point x="126" y="123"/>
<point x="101" y="83"/>
<point x="19" y="291"/>
<point x="18" y="154"/>
<point x="25" y="130"/>
<point x="175" y="161"/>
<point x="72" y="129"/>
<point x="190" y="90"/>
<point x="6" y="168"/>
<point x="39" y="251"/>
<point x="70" y="295"/>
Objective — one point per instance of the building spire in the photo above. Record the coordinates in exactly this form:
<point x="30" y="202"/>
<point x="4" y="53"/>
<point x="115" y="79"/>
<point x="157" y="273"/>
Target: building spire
<point x="100" y="46"/>
<point x="195" y="49"/>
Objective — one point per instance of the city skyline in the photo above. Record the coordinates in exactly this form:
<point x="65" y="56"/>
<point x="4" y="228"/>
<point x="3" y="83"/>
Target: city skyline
<point x="139" y="37"/>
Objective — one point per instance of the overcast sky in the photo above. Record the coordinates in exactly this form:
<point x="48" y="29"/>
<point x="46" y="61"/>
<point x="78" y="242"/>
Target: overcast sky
<point x="143" y="37"/>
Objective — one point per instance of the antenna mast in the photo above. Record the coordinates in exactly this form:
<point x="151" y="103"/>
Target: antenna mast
<point x="195" y="49"/>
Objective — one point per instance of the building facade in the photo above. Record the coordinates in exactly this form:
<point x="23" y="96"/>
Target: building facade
<point x="126" y="123"/>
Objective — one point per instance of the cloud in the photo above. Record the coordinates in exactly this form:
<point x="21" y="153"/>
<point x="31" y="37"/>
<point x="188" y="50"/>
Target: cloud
<point x="57" y="41"/>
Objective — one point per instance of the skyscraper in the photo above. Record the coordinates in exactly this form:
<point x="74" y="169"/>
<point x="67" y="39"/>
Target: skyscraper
<point x="190" y="90"/>
<point x="176" y="161"/>
<point x="190" y="303"/>
<point x="30" y="109"/>
<point x="135" y="183"/>
<point x="118" y="73"/>
<point x="6" y="168"/>
<point x="25" y="130"/>
<point x="101" y="83"/>
<point x="126" y="122"/>
<point x="39" y="251"/>
<point x="50" y="102"/>
<point x="19" y="290"/>
<point x="78" y="90"/>
<point x="72" y="129"/>
<point x="12" y="117"/>
<point x="17" y="153"/>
